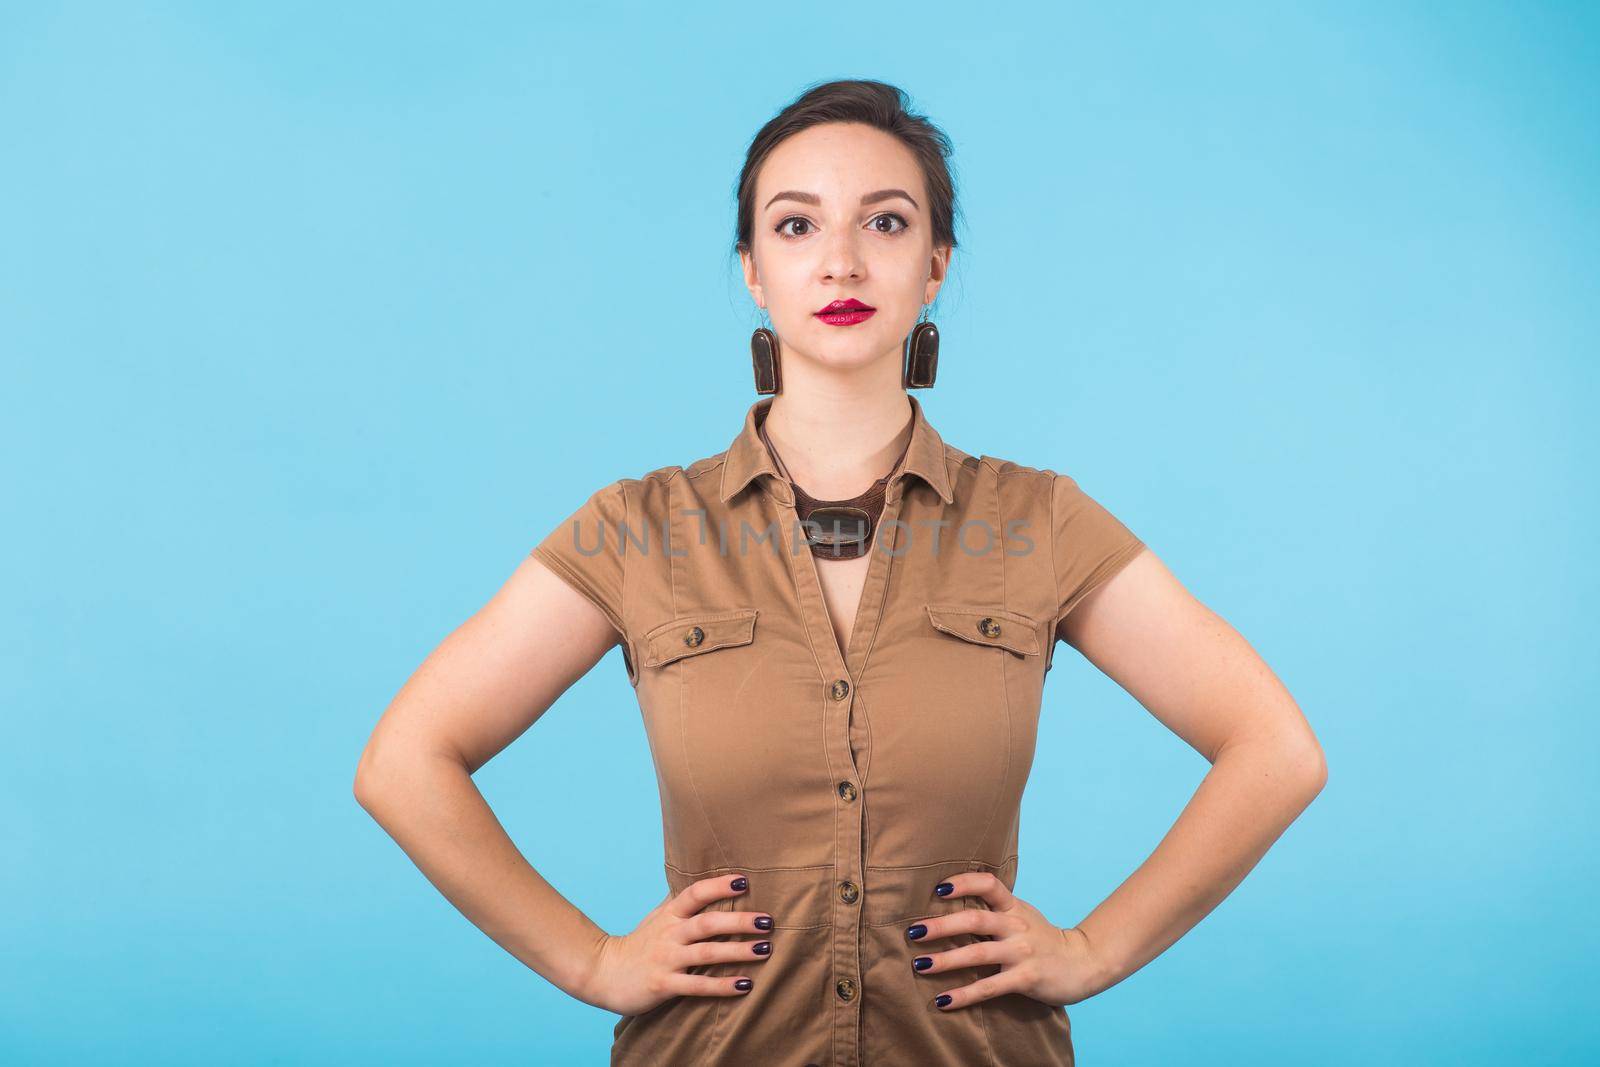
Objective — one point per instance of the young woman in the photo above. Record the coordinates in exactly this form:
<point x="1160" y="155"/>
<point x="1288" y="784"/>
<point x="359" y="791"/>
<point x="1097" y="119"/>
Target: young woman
<point x="838" y="631"/>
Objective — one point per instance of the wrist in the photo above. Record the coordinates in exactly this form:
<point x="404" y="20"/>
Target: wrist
<point x="1095" y="971"/>
<point x="588" y="985"/>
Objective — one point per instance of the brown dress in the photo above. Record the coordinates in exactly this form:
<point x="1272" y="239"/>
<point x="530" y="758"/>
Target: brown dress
<point x="845" y="784"/>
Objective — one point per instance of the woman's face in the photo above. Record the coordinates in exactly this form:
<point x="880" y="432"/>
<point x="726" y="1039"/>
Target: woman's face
<point x="841" y="212"/>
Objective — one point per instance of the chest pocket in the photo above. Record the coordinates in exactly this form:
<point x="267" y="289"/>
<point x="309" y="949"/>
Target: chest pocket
<point x="995" y="627"/>
<point x="697" y="634"/>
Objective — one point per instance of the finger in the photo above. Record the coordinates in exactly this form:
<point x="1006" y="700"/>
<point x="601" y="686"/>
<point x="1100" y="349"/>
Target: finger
<point x="966" y="921"/>
<point x="711" y="923"/>
<point x="703" y="891"/>
<point x="701" y="953"/>
<point x="990" y="889"/>
<point x="703" y="985"/>
<point x="983" y="989"/>
<point x="976" y="954"/>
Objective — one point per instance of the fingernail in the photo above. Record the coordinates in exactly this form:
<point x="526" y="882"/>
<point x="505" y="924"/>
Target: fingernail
<point x="944" y="889"/>
<point x="916" y="930"/>
<point x="763" y="922"/>
<point x="761" y="948"/>
<point x="740" y="884"/>
<point x="922" y="963"/>
<point x="943" y="1000"/>
<point x="744" y="985"/>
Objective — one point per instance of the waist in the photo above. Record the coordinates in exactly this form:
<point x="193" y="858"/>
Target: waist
<point x="800" y="898"/>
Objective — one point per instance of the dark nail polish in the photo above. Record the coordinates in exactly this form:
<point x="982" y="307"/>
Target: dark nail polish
<point x="922" y="963"/>
<point x="916" y="930"/>
<point x="761" y="948"/>
<point x="943" y="1000"/>
<point x="944" y="889"/>
<point x="763" y="922"/>
<point x="740" y="884"/>
<point x="744" y="985"/>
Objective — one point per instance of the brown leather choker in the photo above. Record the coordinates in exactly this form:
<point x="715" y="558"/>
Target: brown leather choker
<point x="836" y="529"/>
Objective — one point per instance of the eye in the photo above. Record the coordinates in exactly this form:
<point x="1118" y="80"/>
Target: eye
<point x="888" y="215"/>
<point x="802" y="220"/>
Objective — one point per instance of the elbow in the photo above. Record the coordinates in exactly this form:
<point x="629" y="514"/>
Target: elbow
<point x="1308" y="768"/>
<point x="368" y="785"/>
<point x="362" y="787"/>
<point x="389" y="774"/>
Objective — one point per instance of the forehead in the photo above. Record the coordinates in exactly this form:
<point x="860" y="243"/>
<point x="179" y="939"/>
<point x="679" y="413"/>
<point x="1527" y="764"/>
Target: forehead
<point x="839" y="160"/>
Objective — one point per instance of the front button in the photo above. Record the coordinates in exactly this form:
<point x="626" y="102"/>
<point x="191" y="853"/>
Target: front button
<point x="989" y="628"/>
<point x="694" y="636"/>
<point x="841" y="689"/>
<point x="847" y="790"/>
<point x="848" y="892"/>
<point x="846" y="988"/>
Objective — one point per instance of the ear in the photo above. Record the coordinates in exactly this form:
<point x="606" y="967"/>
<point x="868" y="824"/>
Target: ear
<point x="938" y="270"/>
<point x="752" y="280"/>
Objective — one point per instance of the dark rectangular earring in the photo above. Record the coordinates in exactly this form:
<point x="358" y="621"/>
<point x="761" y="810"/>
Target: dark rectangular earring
<point x="764" y="359"/>
<point x="922" y="356"/>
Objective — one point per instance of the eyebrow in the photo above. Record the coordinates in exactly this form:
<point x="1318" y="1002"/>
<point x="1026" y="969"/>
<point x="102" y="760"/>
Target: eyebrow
<point x="869" y="198"/>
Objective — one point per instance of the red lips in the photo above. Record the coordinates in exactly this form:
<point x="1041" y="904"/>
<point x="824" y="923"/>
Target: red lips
<point x="844" y="305"/>
<point x="845" y="312"/>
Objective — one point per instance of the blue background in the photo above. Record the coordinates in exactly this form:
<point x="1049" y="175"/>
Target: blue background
<point x="315" y="318"/>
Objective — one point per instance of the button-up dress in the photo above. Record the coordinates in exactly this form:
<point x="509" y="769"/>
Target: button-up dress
<point x="844" y="783"/>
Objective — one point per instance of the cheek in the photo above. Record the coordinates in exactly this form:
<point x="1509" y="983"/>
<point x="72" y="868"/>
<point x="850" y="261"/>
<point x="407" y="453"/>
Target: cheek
<point x="788" y="284"/>
<point x="901" y="281"/>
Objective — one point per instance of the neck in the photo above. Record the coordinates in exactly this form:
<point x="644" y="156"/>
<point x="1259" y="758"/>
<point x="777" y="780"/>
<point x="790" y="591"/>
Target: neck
<point x="836" y="442"/>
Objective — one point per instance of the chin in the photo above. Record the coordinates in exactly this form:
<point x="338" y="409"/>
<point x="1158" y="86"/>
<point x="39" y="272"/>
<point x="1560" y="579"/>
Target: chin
<point x="851" y="360"/>
<point x="849" y="351"/>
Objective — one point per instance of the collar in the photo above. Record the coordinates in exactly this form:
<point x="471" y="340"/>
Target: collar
<point x="747" y="458"/>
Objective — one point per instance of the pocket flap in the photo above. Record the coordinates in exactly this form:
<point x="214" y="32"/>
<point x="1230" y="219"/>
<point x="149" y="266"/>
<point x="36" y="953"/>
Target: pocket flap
<point x="691" y="635"/>
<point x="987" y="626"/>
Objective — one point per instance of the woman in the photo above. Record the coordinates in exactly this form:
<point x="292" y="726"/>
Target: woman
<point x="842" y="721"/>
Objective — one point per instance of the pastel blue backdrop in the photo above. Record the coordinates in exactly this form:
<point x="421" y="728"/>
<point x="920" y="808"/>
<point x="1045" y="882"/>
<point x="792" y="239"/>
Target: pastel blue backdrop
<point x="315" y="318"/>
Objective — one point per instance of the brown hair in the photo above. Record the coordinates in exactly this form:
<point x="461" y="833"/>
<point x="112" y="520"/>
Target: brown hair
<point x="875" y="104"/>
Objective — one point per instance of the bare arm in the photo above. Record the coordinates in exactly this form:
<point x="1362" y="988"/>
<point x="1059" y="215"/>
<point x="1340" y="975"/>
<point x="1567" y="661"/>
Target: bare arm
<point x="1199" y="677"/>
<point x="484" y="685"/>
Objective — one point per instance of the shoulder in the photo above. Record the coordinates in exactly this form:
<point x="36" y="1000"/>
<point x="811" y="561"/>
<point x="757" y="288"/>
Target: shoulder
<point x="708" y="467"/>
<point x="1046" y="492"/>
<point x="1047" y="480"/>
<point x="650" y="492"/>
<point x="1016" y="479"/>
<point x="1006" y="468"/>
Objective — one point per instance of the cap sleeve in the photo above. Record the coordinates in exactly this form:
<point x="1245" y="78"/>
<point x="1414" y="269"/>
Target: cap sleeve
<point x="586" y="551"/>
<point x="1089" y="542"/>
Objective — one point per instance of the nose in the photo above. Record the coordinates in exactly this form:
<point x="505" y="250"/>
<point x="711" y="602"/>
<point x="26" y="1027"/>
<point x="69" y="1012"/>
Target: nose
<point x="841" y="255"/>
